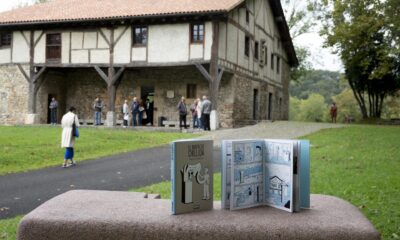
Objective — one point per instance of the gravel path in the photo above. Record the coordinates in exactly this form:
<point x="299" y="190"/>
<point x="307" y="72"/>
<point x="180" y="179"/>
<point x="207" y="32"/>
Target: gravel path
<point x="274" y="130"/>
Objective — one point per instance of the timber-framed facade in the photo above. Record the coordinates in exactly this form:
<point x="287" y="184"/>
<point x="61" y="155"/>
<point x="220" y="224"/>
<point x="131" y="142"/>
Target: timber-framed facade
<point x="238" y="52"/>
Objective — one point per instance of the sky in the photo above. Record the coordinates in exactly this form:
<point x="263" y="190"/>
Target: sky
<point x="321" y="58"/>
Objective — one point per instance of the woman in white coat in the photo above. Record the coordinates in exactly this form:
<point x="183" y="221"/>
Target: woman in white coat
<point x="67" y="138"/>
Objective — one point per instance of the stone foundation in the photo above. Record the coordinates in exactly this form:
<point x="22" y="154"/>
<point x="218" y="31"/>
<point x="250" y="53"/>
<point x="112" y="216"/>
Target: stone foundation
<point x="79" y="88"/>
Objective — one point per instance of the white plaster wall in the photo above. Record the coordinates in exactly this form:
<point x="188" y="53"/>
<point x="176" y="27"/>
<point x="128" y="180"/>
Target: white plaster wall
<point x="77" y="40"/>
<point x="139" y="54"/>
<point x="232" y="48"/>
<point x="40" y="49"/>
<point x="168" y="43"/>
<point x="101" y="42"/>
<point x="90" y="40"/>
<point x="79" y="56"/>
<point x="222" y="40"/>
<point x="5" y="55"/>
<point x="196" y="51"/>
<point x="20" y="53"/>
<point x="123" y="47"/>
<point x="65" y="44"/>
<point x="100" y="56"/>
<point x="208" y="40"/>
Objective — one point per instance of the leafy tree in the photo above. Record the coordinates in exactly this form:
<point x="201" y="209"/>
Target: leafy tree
<point x="325" y="83"/>
<point x="294" y="109"/>
<point x="347" y="106"/>
<point x="363" y="36"/>
<point x="313" y="109"/>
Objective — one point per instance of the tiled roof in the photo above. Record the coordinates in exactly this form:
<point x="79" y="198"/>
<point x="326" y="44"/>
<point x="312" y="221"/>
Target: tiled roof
<point x="78" y="10"/>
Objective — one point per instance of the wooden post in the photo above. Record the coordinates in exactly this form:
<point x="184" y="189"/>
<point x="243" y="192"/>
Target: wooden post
<point x="214" y="83"/>
<point x="32" y="78"/>
<point x="111" y="88"/>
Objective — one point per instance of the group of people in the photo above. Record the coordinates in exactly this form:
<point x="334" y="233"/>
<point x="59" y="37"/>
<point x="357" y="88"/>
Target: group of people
<point x="200" y="110"/>
<point x="140" y="112"/>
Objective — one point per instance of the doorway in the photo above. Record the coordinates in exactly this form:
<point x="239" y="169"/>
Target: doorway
<point x="270" y="106"/>
<point x="255" y="103"/>
<point x="49" y="98"/>
<point x="147" y="97"/>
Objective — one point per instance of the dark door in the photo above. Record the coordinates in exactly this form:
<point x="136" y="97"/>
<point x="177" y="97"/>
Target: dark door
<point x="147" y="96"/>
<point x="49" y="97"/>
<point x="255" y="103"/>
<point x="270" y="106"/>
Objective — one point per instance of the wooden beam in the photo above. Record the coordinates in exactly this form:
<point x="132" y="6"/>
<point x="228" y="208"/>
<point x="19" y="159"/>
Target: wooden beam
<point x="25" y="38"/>
<point x="221" y="72"/>
<point x="37" y="75"/>
<point x="117" y="75"/>
<point x="104" y="36"/>
<point x="203" y="71"/>
<point x="38" y="39"/>
<point x="102" y="74"/>
<point x="120" y="36"/>
<point x="24" y="73"/>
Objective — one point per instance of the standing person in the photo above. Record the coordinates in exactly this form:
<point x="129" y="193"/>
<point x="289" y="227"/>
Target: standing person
<point x="205" y="113"/>
<point x="333" y="112"/>
<point x="125" y="112"/>
<point x="141" y="112"/>
<point x="53" y="111"/>
<point x="98" y="107"/>
<point x="199" y="118"/>
<point x="182" y="109"/>
<point x="149" y="111"/>
<point x="193" y="109"/>
<point x="135" y="111"/>
<point x="67" y="137"/>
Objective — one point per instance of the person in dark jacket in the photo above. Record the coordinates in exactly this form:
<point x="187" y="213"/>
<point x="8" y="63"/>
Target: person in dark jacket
<point x="182" y="109"/>
<point x="98" y="107"/>
<point x="53" y="111"/>
<point x="135" y="111"/>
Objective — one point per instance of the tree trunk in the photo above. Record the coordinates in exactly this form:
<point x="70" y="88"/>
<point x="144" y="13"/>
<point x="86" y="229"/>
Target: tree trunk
<point x="360" y="100"/>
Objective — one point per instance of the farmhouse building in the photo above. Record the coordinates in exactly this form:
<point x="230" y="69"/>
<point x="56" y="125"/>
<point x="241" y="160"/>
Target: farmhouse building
<point x="237" y="52"/>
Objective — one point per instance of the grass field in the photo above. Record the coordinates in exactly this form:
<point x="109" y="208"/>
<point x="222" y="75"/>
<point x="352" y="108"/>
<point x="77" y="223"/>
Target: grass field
<point x="8" y="228"/>
<point x="360" y="164"/>
<point x="28" y="148"/>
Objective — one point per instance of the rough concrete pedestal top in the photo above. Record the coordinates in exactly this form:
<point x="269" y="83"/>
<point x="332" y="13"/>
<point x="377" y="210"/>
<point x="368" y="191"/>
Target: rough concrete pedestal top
<point x="98" y="215"/>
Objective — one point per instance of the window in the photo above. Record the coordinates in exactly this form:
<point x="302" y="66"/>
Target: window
<point x="247" y="16"/>
<point x="272" y="61"/>
<point x="246" y="46"/>
<point x="53" y="47"/>
<point x="140" y="36"/>
<point x="197" y="33"/>
<point x="191" y="91"/>
<point x="256" y="50"/>
<point x="278" y="64"/>
<point x="266" y="56"/>
<point x="5" y="39"/>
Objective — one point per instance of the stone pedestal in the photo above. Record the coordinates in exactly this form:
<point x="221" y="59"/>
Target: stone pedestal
<point x="32" y="119"/>
<point x="111" y="119"/>
<point x="214" y="121"/>
<point x="98" y="215"/>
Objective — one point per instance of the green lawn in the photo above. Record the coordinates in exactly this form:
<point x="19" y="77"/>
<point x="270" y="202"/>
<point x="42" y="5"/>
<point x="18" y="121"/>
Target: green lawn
<point x="360" y="164"/>
<point x="8" y="228"/>
<point x="27" y="148"/>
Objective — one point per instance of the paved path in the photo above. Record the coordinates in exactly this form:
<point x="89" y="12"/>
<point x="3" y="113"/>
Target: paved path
<point x="20" y="193"/>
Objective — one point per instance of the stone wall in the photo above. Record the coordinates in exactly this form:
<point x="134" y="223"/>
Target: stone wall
<point x="79" y="88"/>
<point x="13" y="95"/>
<point x="246" y="112"/>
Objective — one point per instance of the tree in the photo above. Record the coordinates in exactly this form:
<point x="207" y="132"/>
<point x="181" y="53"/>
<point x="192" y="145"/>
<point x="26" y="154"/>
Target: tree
<point x="299" y="22"/>
<point x="313" y="109"/>
<point x="365" y="39"/>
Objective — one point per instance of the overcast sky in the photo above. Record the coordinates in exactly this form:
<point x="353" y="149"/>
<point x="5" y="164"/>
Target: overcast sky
<point x="321" y="58"/>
